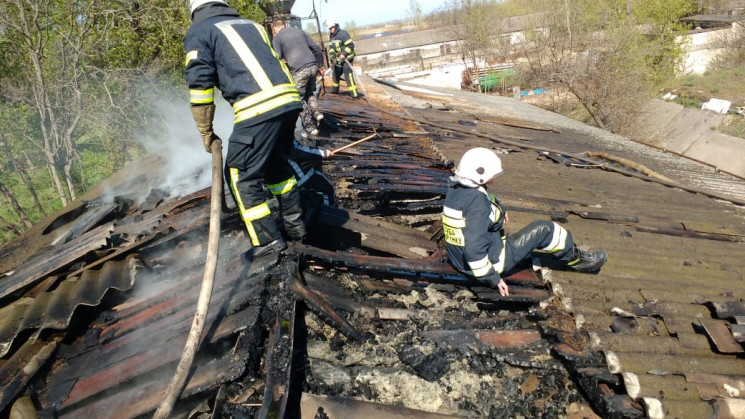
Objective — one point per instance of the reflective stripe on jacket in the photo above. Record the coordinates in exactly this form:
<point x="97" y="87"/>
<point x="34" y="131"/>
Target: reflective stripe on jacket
<point x="235" y="55"/>
<point x="341" y="44"/>
<point x="473" y="221"/>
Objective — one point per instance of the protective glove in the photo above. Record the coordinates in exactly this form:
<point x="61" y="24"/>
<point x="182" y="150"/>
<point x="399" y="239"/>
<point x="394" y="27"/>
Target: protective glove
<point x="495" y="281"/>
<point x="203" y="115"/>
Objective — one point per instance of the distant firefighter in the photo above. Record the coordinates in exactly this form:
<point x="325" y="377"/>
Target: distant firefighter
<point x="341" y="56"/>
<point x="473" y="221"/>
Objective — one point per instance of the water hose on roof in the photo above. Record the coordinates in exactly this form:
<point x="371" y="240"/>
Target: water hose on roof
<point x="208" y="280"/>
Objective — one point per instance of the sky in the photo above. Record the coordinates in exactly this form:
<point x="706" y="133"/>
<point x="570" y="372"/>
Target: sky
<point x="362" y="12"/>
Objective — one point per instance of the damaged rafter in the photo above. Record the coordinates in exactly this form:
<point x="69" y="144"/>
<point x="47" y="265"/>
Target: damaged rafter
<point x="419" y="270"/>
<point x="278" y="366"/>
<point x="321" y="308"/>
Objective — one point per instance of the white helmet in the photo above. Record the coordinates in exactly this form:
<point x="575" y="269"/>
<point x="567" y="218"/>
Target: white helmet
<point x="195" y="4"/>
<point x="479" y="165"/>
<point x="331" y="21"/>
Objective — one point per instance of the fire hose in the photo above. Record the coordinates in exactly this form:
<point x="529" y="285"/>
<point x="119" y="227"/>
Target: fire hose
<point x="208" y="280"/>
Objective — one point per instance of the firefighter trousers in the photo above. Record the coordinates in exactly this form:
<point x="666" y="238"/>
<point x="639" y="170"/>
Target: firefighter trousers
<point x="345" y="69"/>
<point x="539" y="236"/>
<point x="257" y="158"/>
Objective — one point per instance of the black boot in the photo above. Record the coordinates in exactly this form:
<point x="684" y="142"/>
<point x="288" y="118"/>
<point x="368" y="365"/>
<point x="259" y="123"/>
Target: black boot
<point x="271" y="248"/>
<point x="584" y="261"/>
<point x="292" y="214"/>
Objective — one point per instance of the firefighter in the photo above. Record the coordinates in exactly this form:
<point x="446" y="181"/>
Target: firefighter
<point x="303" y="57"/>
<point x="341" y="56"/>
<point x="473" y="222"/>
<point x="233" y="54"/>
<point x="315" y="188"/>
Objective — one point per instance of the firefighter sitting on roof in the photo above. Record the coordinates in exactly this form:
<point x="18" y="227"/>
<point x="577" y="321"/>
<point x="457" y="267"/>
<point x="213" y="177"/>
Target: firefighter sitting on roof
<point x="473" y="222"/>
<point x="341" y="56"/>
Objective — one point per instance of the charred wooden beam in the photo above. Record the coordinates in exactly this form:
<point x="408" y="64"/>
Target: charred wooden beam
<point x="278" y="366"/>
<point x="409" y="191"/>
<point x="380" y="234"/>
<point x="689" y="233"/>
<point x="418" y="270"/>
<point x="22" y="366"/>
<point x="335" y="296"/>
<point x="324" y="310"/>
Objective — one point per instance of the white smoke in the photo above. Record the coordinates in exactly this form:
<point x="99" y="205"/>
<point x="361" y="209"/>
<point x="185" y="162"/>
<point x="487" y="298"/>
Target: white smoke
<point x="182" y="165"/>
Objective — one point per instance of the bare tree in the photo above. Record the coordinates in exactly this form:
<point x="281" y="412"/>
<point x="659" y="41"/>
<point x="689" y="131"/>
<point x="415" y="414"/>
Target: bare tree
<point x="8" y="194"/>
<point x="608" y="57"/>
<point x="51" y="37"/>
<point x="473" y="24"/>
<point x="733" y="48"/>
<point x="415" y="10"/>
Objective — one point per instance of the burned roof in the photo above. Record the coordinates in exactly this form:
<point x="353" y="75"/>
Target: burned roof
<point x="366" y="316"/>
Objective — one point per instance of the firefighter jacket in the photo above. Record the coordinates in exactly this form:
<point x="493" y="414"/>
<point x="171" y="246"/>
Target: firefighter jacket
<point x="340" y="44"/>
<point x="233" y="54"/>
<point x="473" y="221"/>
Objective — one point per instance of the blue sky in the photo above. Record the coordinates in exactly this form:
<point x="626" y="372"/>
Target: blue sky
<point x="362" y="12"/>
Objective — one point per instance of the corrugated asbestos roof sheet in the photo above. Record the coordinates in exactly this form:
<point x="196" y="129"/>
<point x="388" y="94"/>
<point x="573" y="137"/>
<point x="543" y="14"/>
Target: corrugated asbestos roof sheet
<point x="675" y="258"/>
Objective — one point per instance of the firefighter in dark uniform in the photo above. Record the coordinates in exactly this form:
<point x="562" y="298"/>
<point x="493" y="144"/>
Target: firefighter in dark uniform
<point x="473" y="222"/>
<point x="341" y="56"/>
<point x="233" y="54"/>
<point x="315" y="188"/>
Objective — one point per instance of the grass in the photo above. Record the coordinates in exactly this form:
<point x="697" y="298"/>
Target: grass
<point x="727" y="84"/>
<point x="695" y="89"/>
<point x="734" y="125"/>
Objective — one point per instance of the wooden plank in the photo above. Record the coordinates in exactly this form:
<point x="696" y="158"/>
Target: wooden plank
<point x="22" y="366"/>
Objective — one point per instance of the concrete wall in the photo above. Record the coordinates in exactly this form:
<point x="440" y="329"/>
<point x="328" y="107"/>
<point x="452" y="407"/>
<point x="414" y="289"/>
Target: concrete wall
<point x="691" y="132"/>
<point x="703" y="46"/>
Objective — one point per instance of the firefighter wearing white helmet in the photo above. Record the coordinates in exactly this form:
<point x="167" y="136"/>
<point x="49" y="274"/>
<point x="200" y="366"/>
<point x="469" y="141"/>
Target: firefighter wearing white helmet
<point x="341" y="57"/>
<point x="195" y="4"/>
<point x="473" y="222"/>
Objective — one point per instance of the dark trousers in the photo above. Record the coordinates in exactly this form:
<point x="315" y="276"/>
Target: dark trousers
<point x="540" y="235"/>
<point x="345" y="69"/>
<point x="257" y="158"/>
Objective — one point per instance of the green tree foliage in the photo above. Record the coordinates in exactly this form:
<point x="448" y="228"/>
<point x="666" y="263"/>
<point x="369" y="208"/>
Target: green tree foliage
<point x="77" y="78"/>
<point x="609" y="54"/>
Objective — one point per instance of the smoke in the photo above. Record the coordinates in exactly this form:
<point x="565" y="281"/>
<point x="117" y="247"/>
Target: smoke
<point x="186" y="165"/>
<point x="176" y="162"/>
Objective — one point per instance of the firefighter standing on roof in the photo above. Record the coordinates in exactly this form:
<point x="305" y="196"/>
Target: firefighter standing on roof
<point x="303" y="56"/>
<point x="473" y="221"/>
<point x="233" y="54"/>
<point x="341" y="56"/>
